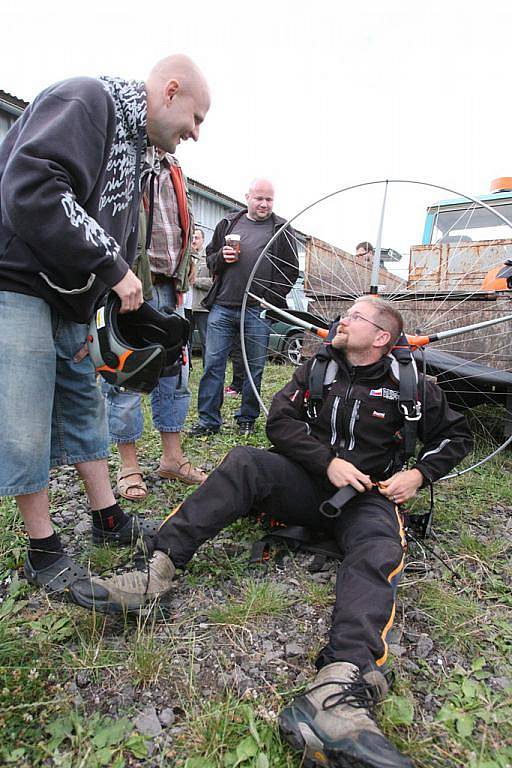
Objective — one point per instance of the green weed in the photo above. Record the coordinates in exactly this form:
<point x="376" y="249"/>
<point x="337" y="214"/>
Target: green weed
<point x="255" y="600"/>
<point x="227" y="733"/>
<point x="98" y="741"/>
<point x="455" y="618"/>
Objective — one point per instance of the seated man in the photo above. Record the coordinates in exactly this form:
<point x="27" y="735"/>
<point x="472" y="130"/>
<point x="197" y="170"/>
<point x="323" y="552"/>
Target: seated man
<point x="354" y="438"/>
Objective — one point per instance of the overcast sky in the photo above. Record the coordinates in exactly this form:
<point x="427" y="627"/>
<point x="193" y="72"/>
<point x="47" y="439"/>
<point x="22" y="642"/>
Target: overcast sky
<point x="314" y="95"/>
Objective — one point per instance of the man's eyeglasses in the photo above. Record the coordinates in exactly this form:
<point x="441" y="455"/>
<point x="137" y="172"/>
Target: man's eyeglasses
<point x="356" y="316"/>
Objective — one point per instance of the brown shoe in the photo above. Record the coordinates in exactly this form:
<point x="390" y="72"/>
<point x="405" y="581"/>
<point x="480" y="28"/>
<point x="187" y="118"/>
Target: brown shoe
<point x="127" y="591"/>
<point x="185" y="472"/>
<point x="332" y="722"/>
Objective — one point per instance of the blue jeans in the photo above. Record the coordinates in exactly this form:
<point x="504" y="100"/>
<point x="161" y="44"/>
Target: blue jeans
<point x="170" y="399"/>
<point x="223" y="326"/>
<point x="51" y="408"/>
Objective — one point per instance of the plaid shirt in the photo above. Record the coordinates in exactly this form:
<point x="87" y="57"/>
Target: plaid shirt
<point x="166" y="234"/>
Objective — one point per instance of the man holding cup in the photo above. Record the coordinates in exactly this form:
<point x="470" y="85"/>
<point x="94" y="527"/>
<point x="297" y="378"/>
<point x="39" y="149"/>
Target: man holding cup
<point x="237" y="242"/>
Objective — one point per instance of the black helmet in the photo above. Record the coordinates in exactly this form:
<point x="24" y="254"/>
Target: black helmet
<point x="134" y="349"/>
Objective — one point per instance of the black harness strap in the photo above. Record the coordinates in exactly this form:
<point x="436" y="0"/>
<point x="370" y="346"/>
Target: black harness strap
<point x="315" y="394"/>
<point x="295" y="538"/>
<point x="408" y="402"/>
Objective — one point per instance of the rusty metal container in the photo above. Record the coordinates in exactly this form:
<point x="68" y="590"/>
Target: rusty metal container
<point x="460" y="267"/>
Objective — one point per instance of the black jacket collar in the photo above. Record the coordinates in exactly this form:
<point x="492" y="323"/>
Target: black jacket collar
<point x="370" y="372"/>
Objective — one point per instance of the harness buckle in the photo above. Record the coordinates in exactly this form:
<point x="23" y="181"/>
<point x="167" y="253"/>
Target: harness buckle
<point x="411" y="410"/>
<point x="311" y="409"/>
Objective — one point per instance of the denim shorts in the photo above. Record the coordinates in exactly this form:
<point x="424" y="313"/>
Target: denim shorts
<point x="51" y="408"/>
<point x="170" y="400"/>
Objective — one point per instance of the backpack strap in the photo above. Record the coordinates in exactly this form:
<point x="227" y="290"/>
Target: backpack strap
<point x="404" y="370"/>
<point x="316" y="383"/>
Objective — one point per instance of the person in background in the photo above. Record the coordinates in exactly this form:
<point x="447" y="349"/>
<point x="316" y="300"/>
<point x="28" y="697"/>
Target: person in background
<point x="365" y="251"/>
<point x="169" y="257"/>
<point x="254" y="226"/>
<point x="238" y="376"/>
<point x="202" y="282"/>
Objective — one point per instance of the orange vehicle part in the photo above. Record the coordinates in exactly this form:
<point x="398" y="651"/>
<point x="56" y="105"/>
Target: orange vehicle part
<point x="502" y="184"/>
<point x="494" y="283"/>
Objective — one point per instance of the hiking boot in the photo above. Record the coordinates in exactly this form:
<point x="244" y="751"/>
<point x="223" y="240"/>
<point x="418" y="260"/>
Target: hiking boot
<point x="201" y="430"/>
<point x="126" y="591"/>
<point x="332" y="723"/>
<point x="128" y="534"/>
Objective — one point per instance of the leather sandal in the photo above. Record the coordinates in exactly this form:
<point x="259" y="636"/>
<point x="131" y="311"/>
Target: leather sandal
<point x="185" y="472"/>
<point x="126" y="481"/>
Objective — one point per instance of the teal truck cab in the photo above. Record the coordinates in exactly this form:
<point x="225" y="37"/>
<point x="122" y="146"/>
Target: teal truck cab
<point x="463" y="241"/>
<point x="461" y="220"/>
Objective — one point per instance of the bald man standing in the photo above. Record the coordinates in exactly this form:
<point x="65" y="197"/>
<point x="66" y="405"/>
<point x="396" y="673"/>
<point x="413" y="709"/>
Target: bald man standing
<point x="255" y="226"/>
<point x="70" y="185"/>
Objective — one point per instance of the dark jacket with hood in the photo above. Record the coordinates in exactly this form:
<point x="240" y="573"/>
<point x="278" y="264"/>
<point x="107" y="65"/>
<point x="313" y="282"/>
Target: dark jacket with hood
<point x="69" y="192"/>
<point x="359" y="421"/>
<point x="282" y="255"/>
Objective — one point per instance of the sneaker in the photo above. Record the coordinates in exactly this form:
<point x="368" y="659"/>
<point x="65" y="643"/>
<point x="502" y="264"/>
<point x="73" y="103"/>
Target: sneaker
<point x="133" y="529"/>
<point x="128" y="591"/>
<point x="332" y="722"/>
<point x="245" y="427"/>
<point x="231" y="392"/>
<point x="200" y="430"/>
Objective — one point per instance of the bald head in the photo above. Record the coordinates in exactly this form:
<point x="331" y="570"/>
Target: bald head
<point x="178" y="99"/>
<point x="178" y="66"/>
<point x="260" y="199"/>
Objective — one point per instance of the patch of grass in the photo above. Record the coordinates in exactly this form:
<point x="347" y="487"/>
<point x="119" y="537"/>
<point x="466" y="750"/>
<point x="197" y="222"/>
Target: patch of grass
<point x="149" y="656"/>
<point x="455" y="618"/>
<point x="101" y="559"/>
<point x="13" y="539"/>
<point x="91" y="741"/>
<point x="30" y="690"/>
<point x="215" y="565"/>
<point x="228" y="733"/>
<point x="255" y="600"/>
<point x="319" y="595"/>
<point x="487" y="551"/>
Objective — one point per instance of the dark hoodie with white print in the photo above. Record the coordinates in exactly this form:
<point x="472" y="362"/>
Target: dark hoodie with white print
<point x="69" y="192"/>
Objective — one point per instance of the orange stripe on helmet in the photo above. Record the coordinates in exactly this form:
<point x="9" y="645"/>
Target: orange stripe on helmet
<point x="122" y="360"/>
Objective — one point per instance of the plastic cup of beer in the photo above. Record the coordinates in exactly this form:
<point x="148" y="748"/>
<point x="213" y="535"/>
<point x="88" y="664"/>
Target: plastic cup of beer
<point x="234" y="242"/>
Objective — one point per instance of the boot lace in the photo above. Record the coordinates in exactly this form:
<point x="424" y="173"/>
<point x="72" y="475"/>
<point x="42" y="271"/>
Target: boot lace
<point x="143" y="557"/>
<point x="356" y="693"/>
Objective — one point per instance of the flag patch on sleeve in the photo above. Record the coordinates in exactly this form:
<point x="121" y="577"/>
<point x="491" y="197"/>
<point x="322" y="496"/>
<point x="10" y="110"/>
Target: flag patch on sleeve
<point x="379" y="415"/>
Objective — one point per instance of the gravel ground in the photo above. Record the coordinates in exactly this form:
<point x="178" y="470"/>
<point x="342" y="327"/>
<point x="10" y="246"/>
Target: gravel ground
<point x="188" y="658"/>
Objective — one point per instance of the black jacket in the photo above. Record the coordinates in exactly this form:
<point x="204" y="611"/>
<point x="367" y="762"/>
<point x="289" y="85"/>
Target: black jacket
<point x="69" y="192"/>
<point x="359" y="421"/>
<point x="282" y="254"/>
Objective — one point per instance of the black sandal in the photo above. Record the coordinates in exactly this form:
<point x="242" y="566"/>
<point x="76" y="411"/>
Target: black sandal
<point x="128" y="534"/>
<point x="56" y="578"/>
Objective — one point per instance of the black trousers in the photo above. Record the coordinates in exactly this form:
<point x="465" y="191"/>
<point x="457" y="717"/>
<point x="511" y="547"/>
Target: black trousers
<point x="368" y="531"/>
